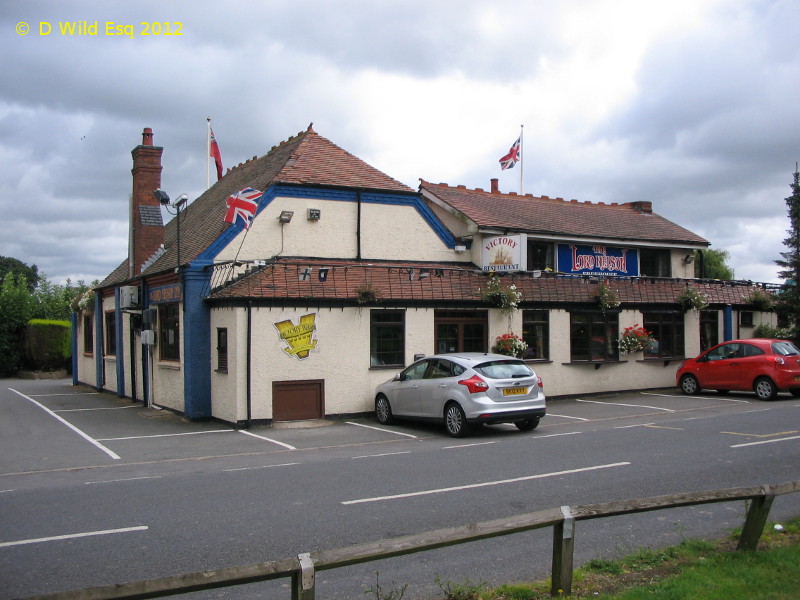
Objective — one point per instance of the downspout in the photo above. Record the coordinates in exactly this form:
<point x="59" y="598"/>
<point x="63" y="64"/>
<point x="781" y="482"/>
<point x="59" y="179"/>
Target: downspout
<point x="248" y="361"/>
<point x="727" y="323"/>
<point x="701" y="260"/>
<point x="358" y="226"/>
<point x="119" y="350"/>
<point x="74" y="343"/>
<point x="100" y="371"/>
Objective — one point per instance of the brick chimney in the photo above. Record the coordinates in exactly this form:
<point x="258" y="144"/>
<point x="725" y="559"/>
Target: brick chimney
<point x="495" y="188"/>
<point x="146" y="233"/>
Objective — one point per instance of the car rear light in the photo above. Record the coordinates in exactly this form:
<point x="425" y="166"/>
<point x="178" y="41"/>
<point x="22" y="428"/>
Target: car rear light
<point x="779" y="360"/>
<point x="475" y="384"/>
<point x="539" y="381"/>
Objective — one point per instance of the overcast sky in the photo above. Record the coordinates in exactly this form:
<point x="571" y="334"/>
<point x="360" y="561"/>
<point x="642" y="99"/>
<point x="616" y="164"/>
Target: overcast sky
<point x="691" y="104"/>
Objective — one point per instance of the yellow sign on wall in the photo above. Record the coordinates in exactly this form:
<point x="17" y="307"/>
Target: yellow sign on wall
<point x="300" y="338"/>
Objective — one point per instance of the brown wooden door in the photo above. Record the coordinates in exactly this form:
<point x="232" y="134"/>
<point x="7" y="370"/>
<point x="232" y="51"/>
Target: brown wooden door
<point x="298" y="400"/>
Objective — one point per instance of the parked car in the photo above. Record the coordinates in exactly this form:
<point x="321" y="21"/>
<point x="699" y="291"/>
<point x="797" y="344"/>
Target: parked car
<point x="764" y="366"/>
<point x="464" y="389"/>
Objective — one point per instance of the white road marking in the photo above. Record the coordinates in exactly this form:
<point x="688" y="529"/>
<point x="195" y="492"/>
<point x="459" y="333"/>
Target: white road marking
<point x="85" y="436"/>
<point x="381" y="429"/>
<point x="161" y="435"/>
<point x="260" y="467"/>
<point x="468" y="445"/>
<point x="90" y="409"/>
<point x="379" y="455"/>
<point x="126" y="479"/>
<point x="695" y="397"/>
<point x="794" y="437"/>
<point x="72" y="536"/>
<point x="622" y="404"/>
<point x="566" y="417"/>
<point x="266" y="439"/>
<point x="484" y="484"/>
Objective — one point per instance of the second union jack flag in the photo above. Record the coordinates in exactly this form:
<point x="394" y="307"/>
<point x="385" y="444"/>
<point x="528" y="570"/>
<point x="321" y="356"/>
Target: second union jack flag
<point x="242" y="207"/>
<point x="510" y="159"/>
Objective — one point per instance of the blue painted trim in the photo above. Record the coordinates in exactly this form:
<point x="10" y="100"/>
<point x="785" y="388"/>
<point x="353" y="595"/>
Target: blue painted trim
<point x="344" y="195"/>
<point x="74" y="343"/>
<point x="196" y="344"/>
<point x="98" y="342"/>
<point x="120" y="347"/>
<point x="727" y="323"/>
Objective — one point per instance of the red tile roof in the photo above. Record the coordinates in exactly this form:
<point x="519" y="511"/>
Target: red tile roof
<point x="408" y="282"/>
<point x="632" y="221"/>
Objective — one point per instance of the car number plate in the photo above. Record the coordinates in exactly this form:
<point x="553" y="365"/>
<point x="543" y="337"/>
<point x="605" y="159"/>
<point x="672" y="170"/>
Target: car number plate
<point x="515" y="391"/>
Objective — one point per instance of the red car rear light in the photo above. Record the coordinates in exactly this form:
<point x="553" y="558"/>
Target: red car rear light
<point x="780" y="360"/>
<point x="539" y="381"/>
<point x="475" y="384"/>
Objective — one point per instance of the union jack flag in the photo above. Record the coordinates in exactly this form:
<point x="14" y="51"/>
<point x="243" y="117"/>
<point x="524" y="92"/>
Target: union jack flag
<point x="510" y="159"/>
<point x="242" y="205"/>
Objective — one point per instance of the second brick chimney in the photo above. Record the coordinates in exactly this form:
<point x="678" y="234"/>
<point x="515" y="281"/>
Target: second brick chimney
<point x="495" y="188"/>
<point x="146" y="235"/>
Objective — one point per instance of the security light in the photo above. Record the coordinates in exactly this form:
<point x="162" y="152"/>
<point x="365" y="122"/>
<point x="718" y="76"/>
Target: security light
<point x="286" y="216"/>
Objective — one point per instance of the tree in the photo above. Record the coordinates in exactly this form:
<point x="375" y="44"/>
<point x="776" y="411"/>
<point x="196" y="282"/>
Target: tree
<point x="789" y="303"/>
<point x="15" y="311"/>
<point x="714" y="265"/>
<point x="17" y="267"/>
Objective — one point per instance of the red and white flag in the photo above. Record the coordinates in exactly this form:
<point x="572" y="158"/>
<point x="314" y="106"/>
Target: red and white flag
<point x="213" y="152"/>
<point x="242" y="206"/>
<point x="513" y="156"/>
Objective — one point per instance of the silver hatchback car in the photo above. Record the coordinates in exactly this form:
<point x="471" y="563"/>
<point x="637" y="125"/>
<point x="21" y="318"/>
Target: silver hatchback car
<point x="462" y="389"/>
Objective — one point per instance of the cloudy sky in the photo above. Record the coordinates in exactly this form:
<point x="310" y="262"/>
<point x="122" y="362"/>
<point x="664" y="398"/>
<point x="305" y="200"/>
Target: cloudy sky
<point x="691" y="104"/>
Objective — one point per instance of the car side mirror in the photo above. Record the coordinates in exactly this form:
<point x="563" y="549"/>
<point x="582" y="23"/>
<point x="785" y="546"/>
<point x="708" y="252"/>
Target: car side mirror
<point x="398" y="377"/>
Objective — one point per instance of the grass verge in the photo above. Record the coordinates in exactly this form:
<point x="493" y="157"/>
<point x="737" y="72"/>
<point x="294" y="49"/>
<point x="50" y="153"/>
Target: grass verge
<point x="700" y="570"/>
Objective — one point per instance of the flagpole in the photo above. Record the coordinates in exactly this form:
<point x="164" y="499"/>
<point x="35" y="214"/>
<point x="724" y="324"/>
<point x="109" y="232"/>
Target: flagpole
<point x="521" y="162"/>
<point x="208" y="151"/>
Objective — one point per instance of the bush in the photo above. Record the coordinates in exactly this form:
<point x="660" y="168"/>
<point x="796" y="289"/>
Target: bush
<point x="47" y="344"/>
<point x="15" y="310"/>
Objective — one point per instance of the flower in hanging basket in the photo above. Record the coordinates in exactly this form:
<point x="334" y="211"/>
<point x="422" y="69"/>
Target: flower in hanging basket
<point x="509" y="344"/>
<point x="635" y="339"/>
<point x="691" y="299"/>
<point x="506" y="298"/>
<point x="367" y="293"/>
<point x="607" y="297"/>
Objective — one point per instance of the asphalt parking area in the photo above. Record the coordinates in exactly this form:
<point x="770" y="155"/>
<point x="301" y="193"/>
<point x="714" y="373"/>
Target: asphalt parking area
<point x="48" y="425"/>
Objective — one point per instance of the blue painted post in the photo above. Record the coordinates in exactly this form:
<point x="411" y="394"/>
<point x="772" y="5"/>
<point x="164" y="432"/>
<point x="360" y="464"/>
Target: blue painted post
<point x="727" y="323"/>
<point x="196" y="344"/>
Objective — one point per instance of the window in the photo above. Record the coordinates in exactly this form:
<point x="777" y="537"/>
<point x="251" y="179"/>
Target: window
<point x="594" y="336"/>
<point x="88" y="334"/>
<point x="667" y="330"/>
<point x="709" y="329"/>
<point x="387" y="338"/>
<point x="746" y="318"/>
<point x="461" y="331"/>
<point x="654" y="263"/>
<point x="536" y="333"/>
<point x="222" y="349"/>
<point x="111" y="333"/>
<point x="169" y="331"/>
<point x="540" y="256"/>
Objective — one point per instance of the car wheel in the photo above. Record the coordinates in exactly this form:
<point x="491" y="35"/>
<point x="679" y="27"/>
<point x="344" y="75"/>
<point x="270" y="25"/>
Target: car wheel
<point x="455" y="421"/>
<point x="527" y="424"/>
<point x="383" y="410"/>
<point x="689" y="384"/>
<point x="765" y="389"/>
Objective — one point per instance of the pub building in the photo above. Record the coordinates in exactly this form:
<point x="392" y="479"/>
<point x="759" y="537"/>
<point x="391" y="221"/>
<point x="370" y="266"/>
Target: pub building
<point x="303" y="278"/>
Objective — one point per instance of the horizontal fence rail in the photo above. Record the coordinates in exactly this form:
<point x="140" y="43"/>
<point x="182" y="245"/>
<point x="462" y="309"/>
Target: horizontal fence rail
<point x="302" y="568"/>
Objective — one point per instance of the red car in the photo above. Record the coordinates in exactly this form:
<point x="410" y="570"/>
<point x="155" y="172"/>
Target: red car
<point x="761" y="365"/>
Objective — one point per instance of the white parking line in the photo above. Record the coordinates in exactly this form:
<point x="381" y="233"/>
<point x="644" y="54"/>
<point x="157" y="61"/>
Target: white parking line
<point x="485" y="484"/>
<point x="259" y="467"/>
<point x="266" y="439"/>
<point x="695" y="397"/>
<point x="566" y="417"/>
<point x="380" y="429"/>
<point x="119" y="480"/>
<point x="90" y="409"/>
<point x="379" y="455"/>
<point x="72" y="536"/>
<point x="623" y="404"/>
<point x="161" y="435"/>
<point x="70" y="425"/>
<point x="468" y="445"/>
<point x="786" y="439"/>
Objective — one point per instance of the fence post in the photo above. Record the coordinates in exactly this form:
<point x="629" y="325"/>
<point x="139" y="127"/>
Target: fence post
<point x="756" y="519"/>
<point x="563" y="552"/>
<point x="303" y="580"/>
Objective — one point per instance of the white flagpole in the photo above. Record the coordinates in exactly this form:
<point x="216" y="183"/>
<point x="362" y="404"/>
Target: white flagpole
<point x="208" y="151"/>
<point x="521" y="162"/>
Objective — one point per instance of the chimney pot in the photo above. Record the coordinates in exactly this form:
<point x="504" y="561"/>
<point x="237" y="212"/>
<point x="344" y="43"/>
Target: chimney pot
<point x="147" y="137"/>
<point x="495" y="187"/>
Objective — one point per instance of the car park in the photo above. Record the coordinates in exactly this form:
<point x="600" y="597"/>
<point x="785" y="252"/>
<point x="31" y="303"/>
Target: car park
<point x="464" y="389"/>
<point x="764" y="366"/>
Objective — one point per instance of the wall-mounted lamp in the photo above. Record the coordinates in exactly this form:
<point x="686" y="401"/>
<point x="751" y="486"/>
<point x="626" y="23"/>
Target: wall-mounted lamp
<point x="180" y="201"/>
<point x="285" y="216"/>
<point x="688" y="259"/>
<point x="314" y="214"/>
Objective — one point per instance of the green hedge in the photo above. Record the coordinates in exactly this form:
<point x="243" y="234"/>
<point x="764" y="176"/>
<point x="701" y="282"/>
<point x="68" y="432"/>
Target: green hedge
<point x="47" y="344"/>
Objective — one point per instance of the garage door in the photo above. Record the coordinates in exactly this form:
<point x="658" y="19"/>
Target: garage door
<point x="298" y="400"/>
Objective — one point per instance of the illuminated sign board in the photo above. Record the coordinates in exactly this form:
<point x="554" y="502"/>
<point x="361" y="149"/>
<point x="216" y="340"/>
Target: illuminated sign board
<point x="597" y="260"/>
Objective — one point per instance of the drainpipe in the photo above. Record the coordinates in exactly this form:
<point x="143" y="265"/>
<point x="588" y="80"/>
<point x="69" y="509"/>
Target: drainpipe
<point x="358" y="226"/>
<point x="727" y="323"/>
<point x="249" y="362"/>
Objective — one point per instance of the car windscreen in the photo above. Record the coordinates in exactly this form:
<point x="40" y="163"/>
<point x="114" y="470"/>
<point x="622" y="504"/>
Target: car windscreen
<point x="504" y="369"/>
<point x="785" y="348"/>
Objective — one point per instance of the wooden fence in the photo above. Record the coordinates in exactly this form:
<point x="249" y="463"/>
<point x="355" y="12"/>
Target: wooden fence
<point x="302" y="569"/>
